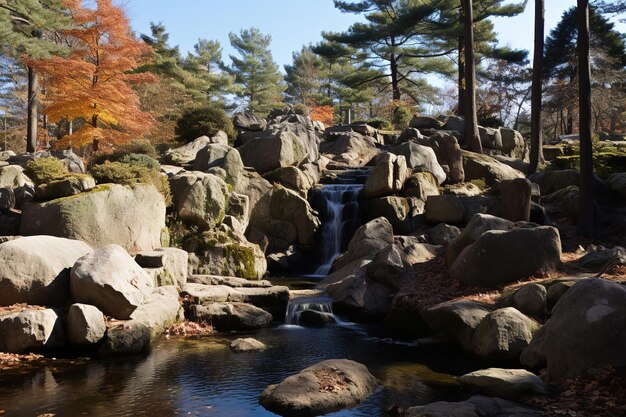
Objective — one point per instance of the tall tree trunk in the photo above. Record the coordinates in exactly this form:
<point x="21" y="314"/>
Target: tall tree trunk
<point x="460" y="110"/>
<point x="536" y="128"/>
<point x="472" y="137"/>
<point x="33" y="103"/>
<point x="586" y="215"/>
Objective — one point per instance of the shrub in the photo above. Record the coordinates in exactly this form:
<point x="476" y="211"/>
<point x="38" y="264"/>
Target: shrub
<point x="140" y="160"/>
<point x="203" y="120"/>
<point x="43" y="170"/>
<point x="129" y="174"/>
<point x="401" y="117"/>
<point x="380" y="124"/>
<point x="135" y="147"/>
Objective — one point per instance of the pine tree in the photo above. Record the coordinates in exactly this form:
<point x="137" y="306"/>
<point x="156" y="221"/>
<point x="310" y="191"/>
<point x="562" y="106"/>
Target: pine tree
<point x="258" y="81"/>
<point x="94" y="83"/>
<point x="305" y="77"/>
<point x="472" y="137"/>
<point x="26" y="27"/>
<point x="207" y="79"/>
<point x="536" y="128"/>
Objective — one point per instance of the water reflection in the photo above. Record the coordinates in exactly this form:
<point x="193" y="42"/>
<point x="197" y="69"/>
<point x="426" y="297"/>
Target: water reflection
<point x="202" y="377"/>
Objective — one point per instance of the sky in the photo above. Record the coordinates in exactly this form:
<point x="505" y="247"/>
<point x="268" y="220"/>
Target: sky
<point x="291" y="23"/>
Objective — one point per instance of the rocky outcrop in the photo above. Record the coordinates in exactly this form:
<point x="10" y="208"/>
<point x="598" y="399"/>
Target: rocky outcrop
<point x="133" y="217"/>
<point x="85" y="325"/>
<point x="583" y="333"/>
<point x="281" y="149"/>
<point x="221" y="160"/>
<point x="327" y="386"/>
<point x="168" y="266"/>
<point x="186" y="154"/>
<point x="502" y="335"/>
<point x="388" y="176"/>
<point x="36" y="269"/>
<point x="112" y="281"/>
<point x="478" y="224"/>
<point x="30" y="329"/>
<point x="479" y="166"/>
<point x="199" y="198"/>
<point x="456" y="320"/>
<point x="231" y="316"/>
<point x="504" y="383"/>
<point x="423" y="158"/>
<point x="499" y="256"/>
<point x="350" y="149"/>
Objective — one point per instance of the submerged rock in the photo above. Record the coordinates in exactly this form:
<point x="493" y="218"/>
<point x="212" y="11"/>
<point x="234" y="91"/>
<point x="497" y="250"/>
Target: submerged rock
<point x="327" y="386"/>
<point x="247" y="344"/>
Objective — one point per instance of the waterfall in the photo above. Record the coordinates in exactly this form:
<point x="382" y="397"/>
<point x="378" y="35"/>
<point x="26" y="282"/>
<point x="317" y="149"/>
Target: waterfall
<point x="297" y="305"/>
<point x="339" y="212"/>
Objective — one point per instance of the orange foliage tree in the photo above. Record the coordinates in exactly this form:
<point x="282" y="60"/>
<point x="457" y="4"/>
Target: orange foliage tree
<point x="93" y="85"/>
<point x="324" y="114"/>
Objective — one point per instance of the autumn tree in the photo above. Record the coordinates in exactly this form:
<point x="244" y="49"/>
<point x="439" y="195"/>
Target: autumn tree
<point x="27" y="28"/>
<point x="94" y="84"/>
<point x="258" y="81"/>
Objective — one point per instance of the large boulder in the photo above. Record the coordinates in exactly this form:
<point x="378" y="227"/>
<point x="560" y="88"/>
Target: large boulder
<point x="111" y="280"/>
<point x="294" y="178"/>
<point x="475" y="406"/>
<point x="445" y="208"/>
<point x="125" y="338"/>
<point x="425" y="122"/>
<point x="71" y="185"/>
<point x="281" y="149"/>
<point x="12" y="176"/>
<point x="199" y="198"/>
<point x="160" y="311"/>
<point x="388" y="176"/>
<point x="395" y="209"/>
<point x="351" y="149"/>
<point x="552" y="181"/>
<point x="500" y="257"/>
<point x="478" y="224"/>
<point x="584" y="333"/>
<point x="483" y="167"/>
<point x="490" y="138"/>
<point x="36" y="269"/>
<point x="85" y="325"/>
<point x="502" y="335"/>
<point x="231" y="316"/>
<point x="187" y="153"/>
<point x="422" y="158"/>
<point x="421" y="185"/>
<point x="247" y="344"/>
<point x="133" y="217"/>
<point x="449" y="155"/>
<point x="513" y="144"/>
<point x="29" y="329"/>
<point x="327" y="386"/>
<point x="504" y="383"/>
<point x="366" y="242"/>
<point x="168" y="266"/>
<point x="456" y="320"/>
<point x="249" y="121"/>
<point x="222" y="156"/>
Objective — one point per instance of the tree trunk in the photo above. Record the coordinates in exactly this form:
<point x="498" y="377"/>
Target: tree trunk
<point x="460" y="111"/>
<point x="33" y="102"/>
<point x="586" y="215"/>
<point x="472" y="138"/>
<point x="536" y="128"/>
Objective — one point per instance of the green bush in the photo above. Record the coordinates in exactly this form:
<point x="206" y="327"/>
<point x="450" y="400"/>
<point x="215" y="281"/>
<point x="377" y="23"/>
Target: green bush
<point x="135" y="147"/>
<point x="140" y="160"/>
<point x="129" y="174"/>
<point x="380" y="124"/>
<point x="401" y="117"/>
<point x="203" y="120"/>
<point x="44" y="170"/>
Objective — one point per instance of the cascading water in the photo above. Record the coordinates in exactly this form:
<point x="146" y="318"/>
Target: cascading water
<point x="298" y="305"/>
<point x="339" y="211"/>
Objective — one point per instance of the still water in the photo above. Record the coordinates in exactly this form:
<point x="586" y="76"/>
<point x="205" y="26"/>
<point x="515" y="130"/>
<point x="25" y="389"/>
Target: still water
<point x="202" y="377"/>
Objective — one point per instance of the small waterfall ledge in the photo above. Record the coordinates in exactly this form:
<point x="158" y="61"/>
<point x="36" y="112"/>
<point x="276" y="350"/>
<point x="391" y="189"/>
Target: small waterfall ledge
<point x="321" y="305"/>
<point x="339" y="211"/>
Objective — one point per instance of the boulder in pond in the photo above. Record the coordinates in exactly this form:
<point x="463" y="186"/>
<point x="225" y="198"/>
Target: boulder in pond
<point x="231" y="316"/>
<point x="247" y="344"/>
<point x="130" y="216"/>
<point x="584" y="333"/>
<point x="36" y="269"/>
<point x="85" y="325"/>
<point x="500" y="257"/>
<point x="111" y="280"/>
<point x="29" y="329"/>
<point x="504" y="383"/>
<point x="327" y="386"/>
<point x="126" y="338"/>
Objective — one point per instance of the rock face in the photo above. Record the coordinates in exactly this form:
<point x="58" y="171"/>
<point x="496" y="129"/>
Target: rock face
<point x="502" y="335"/>
<point x="421" y="157"/>
<point x="199" y="198"/>
<point x="222" y="156"/>
<point x="110" y="280"/>
<point x="499" y="257"/>
<point x="388" y="176"/>
<point x="504" y="383"/>
<point x="29" y="330"/>
<point x="133" y="217"/>
<point x="231" y="316"/>
<point x="281" y="149"/>
<point x="480" y="166"/>
<point x="351" y="149"/>
<point x="421" y="185"/>
<point x="585" y="331"/>
<point x="327" y="386"/>
<point x="187" y="153"/>
<point x="247" y="344"/>
<point x="85" y="325"/>
<point x="36" y="269"/>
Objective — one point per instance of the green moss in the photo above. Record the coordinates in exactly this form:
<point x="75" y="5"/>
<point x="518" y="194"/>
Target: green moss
<point x="480" y="183"/>
<point x="96" y="189"/>
<point x="243" y="260"/>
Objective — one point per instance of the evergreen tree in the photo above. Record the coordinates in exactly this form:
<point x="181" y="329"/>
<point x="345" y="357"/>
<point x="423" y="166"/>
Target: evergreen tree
<point x="258" y="81"/>
<point x="472" y="137"/>
<point x="536" y="129"/>
<point x="26" y="28"/>
<point x="305" y="77"/>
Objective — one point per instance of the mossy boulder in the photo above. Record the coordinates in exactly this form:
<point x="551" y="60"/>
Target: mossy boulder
<point x="131" y="216"/>
<point x="199" y="199"/>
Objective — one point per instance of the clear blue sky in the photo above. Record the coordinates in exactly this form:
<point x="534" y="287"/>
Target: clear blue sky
<point x="291" y="23"/>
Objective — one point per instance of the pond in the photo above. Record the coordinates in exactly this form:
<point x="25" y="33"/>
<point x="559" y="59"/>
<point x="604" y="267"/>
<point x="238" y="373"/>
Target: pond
<point x="201" y="377"/>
